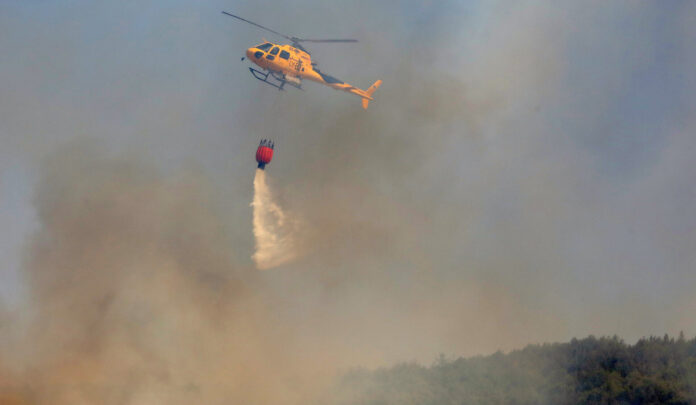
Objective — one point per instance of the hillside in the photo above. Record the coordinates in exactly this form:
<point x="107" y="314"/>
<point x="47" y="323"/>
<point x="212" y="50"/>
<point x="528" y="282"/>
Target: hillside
<point x="591" y="370"/>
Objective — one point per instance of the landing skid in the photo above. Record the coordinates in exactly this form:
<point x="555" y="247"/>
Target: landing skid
<point x="277" y="77"/>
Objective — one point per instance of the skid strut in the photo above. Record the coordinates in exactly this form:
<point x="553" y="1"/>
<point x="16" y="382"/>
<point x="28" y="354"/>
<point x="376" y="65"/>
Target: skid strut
<point x="263" y="76"/>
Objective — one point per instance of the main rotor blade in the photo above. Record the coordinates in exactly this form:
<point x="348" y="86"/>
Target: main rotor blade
<point x="260" y="26"/>
<point x="325" y="40"/>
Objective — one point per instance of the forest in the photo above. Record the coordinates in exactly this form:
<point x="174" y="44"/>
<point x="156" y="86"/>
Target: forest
<point x="605" y="370"/>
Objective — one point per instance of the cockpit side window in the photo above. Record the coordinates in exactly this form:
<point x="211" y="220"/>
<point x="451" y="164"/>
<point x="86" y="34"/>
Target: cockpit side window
<point x="265" y="46"/>
<point x="284" y="55"/>
<point x="275" y="51"/>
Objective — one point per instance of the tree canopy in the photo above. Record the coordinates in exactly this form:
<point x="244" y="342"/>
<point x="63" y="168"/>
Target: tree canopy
<point x="606" y="370"/>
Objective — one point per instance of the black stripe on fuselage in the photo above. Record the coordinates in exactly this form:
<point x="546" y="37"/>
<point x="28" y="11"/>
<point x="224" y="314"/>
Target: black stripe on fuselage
<point x="327" y="78"/>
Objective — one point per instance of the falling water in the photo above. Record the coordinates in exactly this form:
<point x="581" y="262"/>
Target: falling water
<point x="273" y="228"/>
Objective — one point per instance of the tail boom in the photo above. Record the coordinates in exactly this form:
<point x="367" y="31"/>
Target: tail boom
<point x="320" y="77"/>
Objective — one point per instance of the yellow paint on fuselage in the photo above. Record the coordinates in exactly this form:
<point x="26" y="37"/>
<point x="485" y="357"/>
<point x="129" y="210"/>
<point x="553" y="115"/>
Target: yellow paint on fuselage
<point x="293" y="62"/>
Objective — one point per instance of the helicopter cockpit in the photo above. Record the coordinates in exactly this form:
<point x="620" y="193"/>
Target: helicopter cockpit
<point x="265" y="47"/>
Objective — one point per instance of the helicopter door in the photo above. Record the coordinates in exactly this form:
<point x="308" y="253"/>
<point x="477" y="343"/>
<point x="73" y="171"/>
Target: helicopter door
<point x="271" y="55"/>
<point x="286" y="55"/>
<point x="293" y="63"/>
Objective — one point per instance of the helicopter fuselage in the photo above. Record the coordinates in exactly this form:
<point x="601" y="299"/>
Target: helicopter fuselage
<point x="295" y="64"/>
<point x="288" y="64"/>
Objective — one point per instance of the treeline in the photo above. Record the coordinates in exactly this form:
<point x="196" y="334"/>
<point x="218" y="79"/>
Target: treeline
<point x="655" y="370"/>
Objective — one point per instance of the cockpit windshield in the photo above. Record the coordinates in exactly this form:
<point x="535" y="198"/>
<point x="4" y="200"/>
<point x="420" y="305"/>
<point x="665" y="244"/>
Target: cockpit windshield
<point x="265" y="46"/>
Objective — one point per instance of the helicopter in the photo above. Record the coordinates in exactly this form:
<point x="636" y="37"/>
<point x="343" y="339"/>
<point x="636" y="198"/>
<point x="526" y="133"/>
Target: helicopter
<point x="289" y="64"/>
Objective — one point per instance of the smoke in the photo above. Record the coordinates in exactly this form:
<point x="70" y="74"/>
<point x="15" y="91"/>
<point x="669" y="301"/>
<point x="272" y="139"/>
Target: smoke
<point x="274" y="230"/>
<point x="523" y="175"/>
<point x="137" y="298"/>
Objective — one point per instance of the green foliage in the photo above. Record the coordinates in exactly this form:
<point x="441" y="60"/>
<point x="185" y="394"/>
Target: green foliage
<point x="587" y="371"/>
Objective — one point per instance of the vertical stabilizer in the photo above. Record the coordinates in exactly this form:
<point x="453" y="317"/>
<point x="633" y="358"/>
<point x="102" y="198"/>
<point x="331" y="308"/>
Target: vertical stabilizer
<point x="369" y="92"/>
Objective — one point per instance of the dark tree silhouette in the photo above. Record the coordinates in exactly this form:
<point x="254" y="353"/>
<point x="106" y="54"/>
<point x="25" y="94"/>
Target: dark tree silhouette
<point x="587" y="371"/>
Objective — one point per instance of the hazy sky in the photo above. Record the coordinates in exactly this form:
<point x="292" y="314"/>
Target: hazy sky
<point x="525" y="174"/>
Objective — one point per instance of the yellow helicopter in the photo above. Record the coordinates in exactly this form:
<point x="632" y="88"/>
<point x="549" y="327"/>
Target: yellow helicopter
<point x="289" y="64"/>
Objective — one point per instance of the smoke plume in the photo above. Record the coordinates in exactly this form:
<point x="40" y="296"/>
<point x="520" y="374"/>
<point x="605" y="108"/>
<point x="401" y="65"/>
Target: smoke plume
<point x="274" y="230"/>
<point x="136" y="297"/>
<point x="525" y="174"/>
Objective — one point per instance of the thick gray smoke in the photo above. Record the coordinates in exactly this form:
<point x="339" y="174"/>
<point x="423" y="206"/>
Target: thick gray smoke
<point x="136" y="297"/>
<point x="524" y="175"/>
